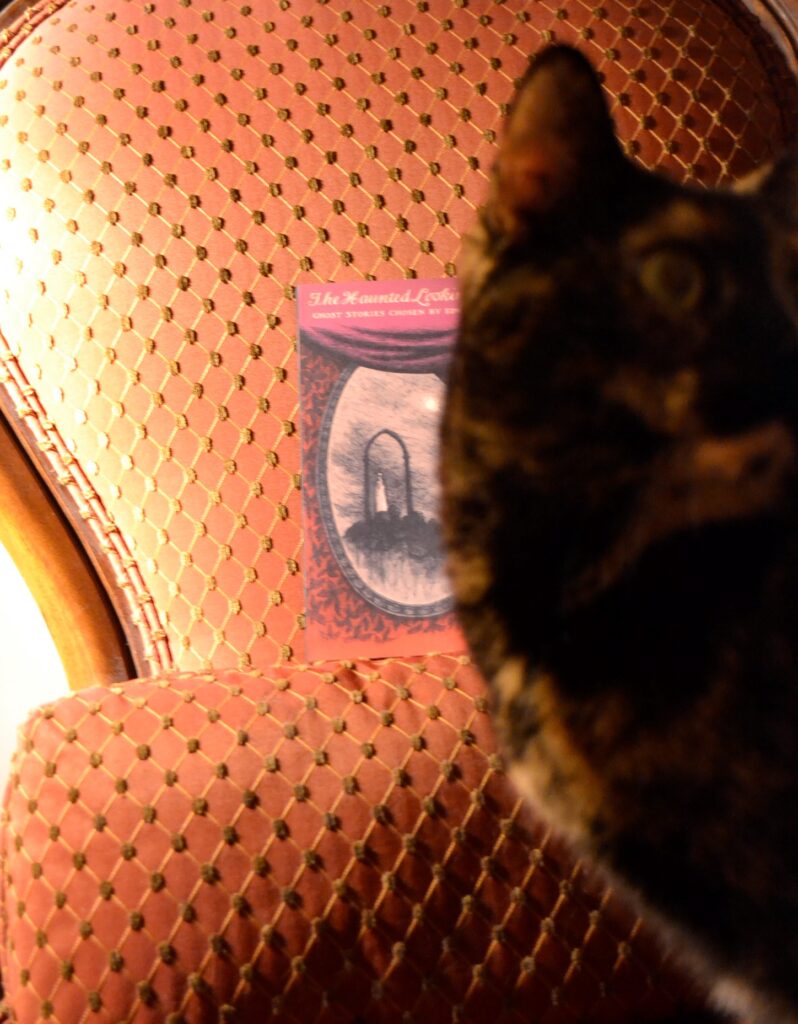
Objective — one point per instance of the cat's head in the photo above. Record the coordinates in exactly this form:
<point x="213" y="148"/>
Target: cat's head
<point x="631" y="342"/>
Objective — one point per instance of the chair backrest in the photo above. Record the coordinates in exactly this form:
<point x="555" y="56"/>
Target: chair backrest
<point x="171" y="170"/>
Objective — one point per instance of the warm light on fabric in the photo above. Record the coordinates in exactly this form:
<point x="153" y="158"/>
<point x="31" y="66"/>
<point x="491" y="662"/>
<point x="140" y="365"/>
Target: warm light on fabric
<point x="30" y="670"/>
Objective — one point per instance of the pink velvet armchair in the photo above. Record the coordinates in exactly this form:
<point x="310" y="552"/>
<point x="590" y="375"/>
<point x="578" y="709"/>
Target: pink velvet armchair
<point x="236" y="834"/>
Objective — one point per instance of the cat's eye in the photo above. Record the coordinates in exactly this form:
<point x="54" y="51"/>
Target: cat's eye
<point x="673" y="278"/>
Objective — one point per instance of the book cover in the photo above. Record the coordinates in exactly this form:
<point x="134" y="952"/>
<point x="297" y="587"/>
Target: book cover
<point x="373" y="360"/>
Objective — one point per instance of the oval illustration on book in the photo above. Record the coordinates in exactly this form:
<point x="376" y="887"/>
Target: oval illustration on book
<point x="379" y="489"/>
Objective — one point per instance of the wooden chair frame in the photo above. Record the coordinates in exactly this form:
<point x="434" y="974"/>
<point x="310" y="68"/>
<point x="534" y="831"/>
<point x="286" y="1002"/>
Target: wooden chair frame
<point x="76" y="606"/>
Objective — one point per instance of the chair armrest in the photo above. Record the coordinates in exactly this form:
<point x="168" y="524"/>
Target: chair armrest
<point x="329" y="844"/>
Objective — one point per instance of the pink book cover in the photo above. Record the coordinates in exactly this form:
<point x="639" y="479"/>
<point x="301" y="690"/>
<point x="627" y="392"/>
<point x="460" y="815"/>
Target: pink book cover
<point x="373" y="360"/>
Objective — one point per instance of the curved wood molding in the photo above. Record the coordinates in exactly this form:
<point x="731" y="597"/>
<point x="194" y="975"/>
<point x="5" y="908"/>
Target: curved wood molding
<point x="12" y="11"/>
<point x="780" y="18"/>
<point x="75" y="606"/>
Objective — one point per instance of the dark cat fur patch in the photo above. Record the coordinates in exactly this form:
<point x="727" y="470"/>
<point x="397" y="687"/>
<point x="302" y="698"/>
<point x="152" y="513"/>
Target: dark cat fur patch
<point x="619" y="455"/>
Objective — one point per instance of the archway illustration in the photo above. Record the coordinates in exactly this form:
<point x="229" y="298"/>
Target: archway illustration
<point x="370" y="478"/>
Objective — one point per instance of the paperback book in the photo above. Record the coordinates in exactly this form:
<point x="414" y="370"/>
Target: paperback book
<point x="373" y="360"/>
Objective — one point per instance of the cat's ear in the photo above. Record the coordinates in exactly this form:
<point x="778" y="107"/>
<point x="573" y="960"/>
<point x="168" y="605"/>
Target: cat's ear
<point x="774" y="190"/>
<point x="559" y="149"/>
<point x="776" y="187"/>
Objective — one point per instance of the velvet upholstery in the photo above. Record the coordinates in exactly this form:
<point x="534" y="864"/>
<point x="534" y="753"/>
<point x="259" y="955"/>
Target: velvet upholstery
<point x="240" y="836"/>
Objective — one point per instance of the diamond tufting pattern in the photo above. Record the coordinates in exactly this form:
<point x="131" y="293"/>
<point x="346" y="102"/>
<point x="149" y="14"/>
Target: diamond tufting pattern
<point x="170" y="171"/>
<point x="327" y="845"/>
<point x="333" y="843"/>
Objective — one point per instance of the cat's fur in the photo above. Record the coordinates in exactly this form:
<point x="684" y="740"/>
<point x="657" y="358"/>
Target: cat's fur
<point x="619" y="448"/>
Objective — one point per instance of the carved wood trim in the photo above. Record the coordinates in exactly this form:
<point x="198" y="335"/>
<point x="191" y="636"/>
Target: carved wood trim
<point x="780" y="19"/>
<point x="75" y="606"/>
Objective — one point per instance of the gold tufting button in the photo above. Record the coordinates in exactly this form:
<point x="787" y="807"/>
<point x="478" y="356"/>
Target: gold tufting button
<point x="167" y="953"/>
<point x="210" y="876"/>
<point x="241" y="905"/>
<point x="115" y="960"/>
<point x="146" y="993"/>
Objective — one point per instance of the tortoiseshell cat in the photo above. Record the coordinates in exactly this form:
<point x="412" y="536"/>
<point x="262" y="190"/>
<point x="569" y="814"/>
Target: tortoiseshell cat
<point x="620" y="446"/>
